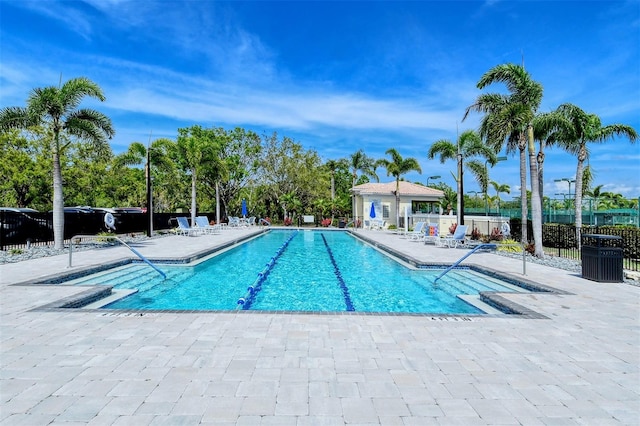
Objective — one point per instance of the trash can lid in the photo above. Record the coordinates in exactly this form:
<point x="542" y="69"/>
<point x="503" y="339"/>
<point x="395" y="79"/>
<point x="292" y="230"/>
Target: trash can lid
<point x="602" y="236"/>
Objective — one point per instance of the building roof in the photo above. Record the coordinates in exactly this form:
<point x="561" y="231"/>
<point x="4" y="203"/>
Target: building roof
<point x="406" y="188"/>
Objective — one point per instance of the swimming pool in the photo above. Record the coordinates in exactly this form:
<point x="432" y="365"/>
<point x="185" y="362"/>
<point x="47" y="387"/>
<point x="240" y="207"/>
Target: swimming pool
<point x="294" y="270"/>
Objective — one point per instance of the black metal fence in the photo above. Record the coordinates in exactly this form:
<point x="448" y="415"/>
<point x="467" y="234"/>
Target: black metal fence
<point x="21" y="229"/>
<point x="562" y="240"/>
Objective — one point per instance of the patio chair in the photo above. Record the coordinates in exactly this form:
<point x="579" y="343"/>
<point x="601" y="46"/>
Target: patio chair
<point x="457" y="239"/>
<point x="202" y="224"/>
<point x="184" y="228"/>
<point x="418" y="232"/>
<point x="234" y="222"/>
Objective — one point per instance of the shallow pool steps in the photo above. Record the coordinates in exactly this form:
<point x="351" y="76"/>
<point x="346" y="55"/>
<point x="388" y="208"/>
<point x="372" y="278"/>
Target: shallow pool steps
<point x="133" y="277"/>
<point x="454" y="283"/>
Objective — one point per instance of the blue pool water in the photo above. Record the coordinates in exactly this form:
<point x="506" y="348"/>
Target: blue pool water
<point x="298" y="271"/>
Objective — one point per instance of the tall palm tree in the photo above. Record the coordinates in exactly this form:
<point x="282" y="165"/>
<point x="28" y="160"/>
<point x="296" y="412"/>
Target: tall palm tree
<point x="194" y="150"/>
<point x="360" y="162"/>
<point x="584" y="128"/>
<point x="500" y="188"/>
<point x="154" y="157"/>
<point x="468" y="146"/>
<point x="333" y="165"/>
<point x="396" y="167"/>
<point x="56" y="110"/>
<point x="509" y="118"/>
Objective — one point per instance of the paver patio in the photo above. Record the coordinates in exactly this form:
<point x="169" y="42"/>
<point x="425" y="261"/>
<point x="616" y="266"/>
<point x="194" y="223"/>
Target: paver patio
<point x="580" y="365"/>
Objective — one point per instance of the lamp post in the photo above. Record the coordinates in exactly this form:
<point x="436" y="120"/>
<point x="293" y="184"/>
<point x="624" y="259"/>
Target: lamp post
<point x="569" y="181"/>
<point x="433" y="177"/>
<point x="486" y="186"/>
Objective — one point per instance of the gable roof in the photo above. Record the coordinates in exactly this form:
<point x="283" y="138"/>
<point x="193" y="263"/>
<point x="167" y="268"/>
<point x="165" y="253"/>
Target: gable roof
<point x="406" y="188"/>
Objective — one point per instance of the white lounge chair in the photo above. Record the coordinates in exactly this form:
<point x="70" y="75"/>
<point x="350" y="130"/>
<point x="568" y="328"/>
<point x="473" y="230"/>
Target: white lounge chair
<point x="184" y="228"/>
<point x="202" y="224"/>
<point x="418" y="232"/>
<point x="458" y="238"/>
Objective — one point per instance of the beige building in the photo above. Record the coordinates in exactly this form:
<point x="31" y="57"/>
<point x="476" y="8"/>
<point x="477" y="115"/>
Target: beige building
<point x="414" y="199"/>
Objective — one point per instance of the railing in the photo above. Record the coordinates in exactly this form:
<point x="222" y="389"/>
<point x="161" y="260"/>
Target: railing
<point x="457" y="262"/>
<point x="134" y="251"/>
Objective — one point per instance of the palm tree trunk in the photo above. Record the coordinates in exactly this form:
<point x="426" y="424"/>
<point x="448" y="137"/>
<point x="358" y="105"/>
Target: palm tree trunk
<point x="58" y="203"/>
<point x="354" y="201"/>
<point x="193" y="196"/>
<point x="536" y="213"/>
<point x="460" y="191"/>
<point x="217" y="202"/>
<point x="398" y="203"/>
<point x="540" y="161"/>
<point x="582" y="155"/>
<point x="523" y="195"/>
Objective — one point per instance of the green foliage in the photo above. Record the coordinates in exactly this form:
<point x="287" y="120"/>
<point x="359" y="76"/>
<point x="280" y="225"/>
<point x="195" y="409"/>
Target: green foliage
<point x="511" y="246"/>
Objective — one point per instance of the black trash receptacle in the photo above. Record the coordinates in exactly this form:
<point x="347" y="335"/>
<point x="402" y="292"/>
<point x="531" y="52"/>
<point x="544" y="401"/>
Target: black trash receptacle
<point x="602" y="257"/>
<point x="342" y="223"/>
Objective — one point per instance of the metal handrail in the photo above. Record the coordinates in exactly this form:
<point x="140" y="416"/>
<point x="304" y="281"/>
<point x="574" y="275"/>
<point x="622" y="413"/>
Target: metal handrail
<point x="486" y="246"/>
<point x="113" y="237"/>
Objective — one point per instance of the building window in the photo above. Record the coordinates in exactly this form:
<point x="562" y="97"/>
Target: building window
<point x="386" y="208"/>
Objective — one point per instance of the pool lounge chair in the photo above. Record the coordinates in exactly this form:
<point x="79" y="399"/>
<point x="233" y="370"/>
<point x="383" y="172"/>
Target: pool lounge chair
<point x="418" y="232"/>
<point x="202" y="225"/>
<point x="457" y="239"/>
<point x="184" y="228"/>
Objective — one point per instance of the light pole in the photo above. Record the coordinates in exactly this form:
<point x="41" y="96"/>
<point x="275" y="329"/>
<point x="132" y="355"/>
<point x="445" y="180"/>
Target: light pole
<point x="486" y="186"/>
<point x="433" y="177"/>
<point x="564" y="198"/>
<point x="569" y="181"/>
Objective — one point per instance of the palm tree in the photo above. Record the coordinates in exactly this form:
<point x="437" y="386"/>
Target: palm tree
<point x="584" y="128"/>
<point x="154" y="157"/>
<point x="509" y="118"/>
<point x="595" y="194"/>
<point x="55" y="109"/>
<point x="364" y="164"/>
<point x="397" y="167"/>
<point x="469" y="145"/>
<point x="194" y="150"/>
<point x="500" y="188"/>
<point x="333" y="165"/>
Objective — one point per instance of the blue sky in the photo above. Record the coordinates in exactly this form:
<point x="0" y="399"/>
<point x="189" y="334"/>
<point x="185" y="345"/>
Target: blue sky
<point x="335" y="76"/>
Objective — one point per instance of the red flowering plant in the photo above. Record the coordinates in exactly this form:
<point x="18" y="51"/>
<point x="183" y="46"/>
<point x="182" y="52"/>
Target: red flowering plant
<point x="326" y="222"/>
<point x="287" y="221"/>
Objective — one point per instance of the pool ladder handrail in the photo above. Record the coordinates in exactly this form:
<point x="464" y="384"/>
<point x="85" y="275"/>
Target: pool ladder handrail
<point x="248" y="297"/>
<point x="457" y="262"/>
<point x="113" y="237"/>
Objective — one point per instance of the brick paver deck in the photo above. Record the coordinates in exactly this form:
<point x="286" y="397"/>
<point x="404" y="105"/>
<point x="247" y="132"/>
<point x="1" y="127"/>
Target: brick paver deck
<point x="578" y="366"/>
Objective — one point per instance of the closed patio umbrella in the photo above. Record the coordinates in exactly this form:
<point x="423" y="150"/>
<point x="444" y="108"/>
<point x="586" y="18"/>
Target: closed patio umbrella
<point x="372" y="213"/>
<point x="244" y="208"/>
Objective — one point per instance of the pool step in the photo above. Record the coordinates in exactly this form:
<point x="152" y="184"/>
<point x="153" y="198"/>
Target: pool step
<point x="472" y="283"/>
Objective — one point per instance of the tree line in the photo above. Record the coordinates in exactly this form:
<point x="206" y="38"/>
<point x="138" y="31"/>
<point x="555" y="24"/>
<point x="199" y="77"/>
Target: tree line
<point x="51" y="139"/>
